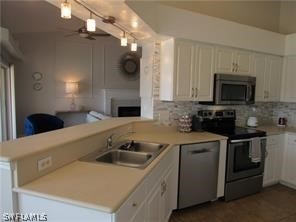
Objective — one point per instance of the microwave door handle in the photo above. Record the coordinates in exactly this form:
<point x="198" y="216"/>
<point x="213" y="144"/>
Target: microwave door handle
<point x="249" y="93"/>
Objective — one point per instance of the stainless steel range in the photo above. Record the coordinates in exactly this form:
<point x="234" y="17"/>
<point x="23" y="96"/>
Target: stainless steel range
<point x="245" y="152"/>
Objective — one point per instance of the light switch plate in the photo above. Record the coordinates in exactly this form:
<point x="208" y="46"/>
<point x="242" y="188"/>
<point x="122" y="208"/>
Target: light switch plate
<point x="44" y="163"/>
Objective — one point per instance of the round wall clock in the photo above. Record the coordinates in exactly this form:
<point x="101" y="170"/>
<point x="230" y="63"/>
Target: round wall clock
<point x="37" y="76"/>
<point x="130" y="65"/>
<point x="37" y="86"/>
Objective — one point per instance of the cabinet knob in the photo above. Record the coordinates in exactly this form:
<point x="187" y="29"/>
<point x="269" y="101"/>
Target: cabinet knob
<point x="134" y="204"/>
<point x="196" y="92"/>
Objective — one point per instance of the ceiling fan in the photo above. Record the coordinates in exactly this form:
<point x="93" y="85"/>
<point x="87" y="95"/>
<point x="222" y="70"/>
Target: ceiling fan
<point x="83" y="33"/>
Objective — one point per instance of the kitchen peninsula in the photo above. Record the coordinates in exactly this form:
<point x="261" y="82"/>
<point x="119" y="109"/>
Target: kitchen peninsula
<point x="104" y="192"/>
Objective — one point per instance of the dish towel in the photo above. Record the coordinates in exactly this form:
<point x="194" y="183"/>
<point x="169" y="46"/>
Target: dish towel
<point x="255" y="150"/>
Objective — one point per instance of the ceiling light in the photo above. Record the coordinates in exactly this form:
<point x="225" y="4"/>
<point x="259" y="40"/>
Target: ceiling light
<point x="66" y="10"/>
<point x="123" y="40"/>
<point x="135" y="24"/>
<point x="134" y="46"/>
<point x="91" y="24"/>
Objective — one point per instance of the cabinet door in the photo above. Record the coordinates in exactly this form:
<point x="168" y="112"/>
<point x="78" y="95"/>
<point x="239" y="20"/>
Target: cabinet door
<point x="273" y="161"/>
<point x="140" y="215"/>
<point x="267" y="179"/>
<point x="289" y="79"/>
<point x="259" y="72"/>
<point x="169" y="197"/>
<point x="274" y="78"/>
<point x="154" y="206"/>
<point x="204" y="69"/>
<point x="244" y="62"/>
<point x="289" y="163"/>
<point x="224" y="60"/>
<point x="184" y="88"/>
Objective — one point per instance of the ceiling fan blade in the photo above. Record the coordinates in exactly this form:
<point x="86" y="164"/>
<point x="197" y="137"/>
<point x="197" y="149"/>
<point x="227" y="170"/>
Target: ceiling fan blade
<point x="66" y="30"/>
<point x="100" y="34"/>
<point x="90" y="38"/>
<point x="72" y="34"/>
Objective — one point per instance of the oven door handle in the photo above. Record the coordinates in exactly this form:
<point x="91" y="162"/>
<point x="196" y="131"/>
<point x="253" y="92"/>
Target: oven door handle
<point x="245" y="140"/>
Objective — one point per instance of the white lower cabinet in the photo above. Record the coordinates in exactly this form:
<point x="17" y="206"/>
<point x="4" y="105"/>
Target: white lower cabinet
<point x="140" y="214"/>
<point x="289" y="161"/>
<point x="163" y="199"/>
<point x="280" y="163"/>
<point x="273" y="161"/>
<point x="153" y="200"/>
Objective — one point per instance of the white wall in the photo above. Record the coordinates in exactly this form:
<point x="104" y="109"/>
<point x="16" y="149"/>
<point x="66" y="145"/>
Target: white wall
<point x="179" y="23"/>
<point x="260" y="14"/>
<point x="287" y="24"/>
<point x="93" y="63"/>
<point x="290" y="47"/>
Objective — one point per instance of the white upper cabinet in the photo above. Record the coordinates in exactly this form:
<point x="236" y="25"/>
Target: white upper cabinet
<point x="289" y="80"/>
<point x="224" y="60"/>
<point x="233" y="61"/>
<point x="274" y="78"/>
<point x="259" y="72"/>
<point x="268" y="71"/>
<point x="204" y="72"/>
<point x="184" y="80"/>
<point x="187" y="70"/>
<point x="188" y="67"/>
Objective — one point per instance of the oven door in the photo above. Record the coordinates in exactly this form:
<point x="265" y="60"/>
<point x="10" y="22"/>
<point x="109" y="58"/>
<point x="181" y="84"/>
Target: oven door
<point x="239" y="164"/>
<point x="232" y="92"/>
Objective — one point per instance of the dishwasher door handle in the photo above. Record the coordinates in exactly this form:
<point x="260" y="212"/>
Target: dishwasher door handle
<point x="192" y="152"/>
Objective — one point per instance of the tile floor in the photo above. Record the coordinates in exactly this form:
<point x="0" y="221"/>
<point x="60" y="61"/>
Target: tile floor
<point x="274" y="204"/>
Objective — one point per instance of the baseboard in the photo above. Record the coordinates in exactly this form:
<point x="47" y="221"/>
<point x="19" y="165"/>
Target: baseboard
<point x="293" y="186"/>
<point x="271" y="183"/>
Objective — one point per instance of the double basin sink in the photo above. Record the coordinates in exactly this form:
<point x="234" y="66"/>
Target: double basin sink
<point x="128" y="153"/>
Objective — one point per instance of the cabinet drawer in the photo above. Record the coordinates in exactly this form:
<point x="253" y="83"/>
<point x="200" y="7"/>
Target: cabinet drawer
<point x="131" y="206"/>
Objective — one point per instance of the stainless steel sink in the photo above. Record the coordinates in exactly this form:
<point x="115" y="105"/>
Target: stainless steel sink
<point x="128" y="153"/>
<point x="125" y="158"/>
<point x="138" y="146"/>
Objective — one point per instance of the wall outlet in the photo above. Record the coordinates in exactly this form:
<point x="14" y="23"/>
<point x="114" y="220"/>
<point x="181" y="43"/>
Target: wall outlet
<point x="44" y="163"/>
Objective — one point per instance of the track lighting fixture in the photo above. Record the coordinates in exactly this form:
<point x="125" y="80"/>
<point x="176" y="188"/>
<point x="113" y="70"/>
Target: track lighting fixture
<point x="124" y="40"/>
<point x="91" y="24"/>
<point x="134" y="46"/>
<point x="66" y="10"/>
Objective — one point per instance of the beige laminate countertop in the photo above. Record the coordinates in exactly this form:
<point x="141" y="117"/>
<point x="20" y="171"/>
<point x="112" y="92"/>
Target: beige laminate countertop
<point x="275" y="130"/>
<point x="105" y="187"/>
<point x="26" y="146"/>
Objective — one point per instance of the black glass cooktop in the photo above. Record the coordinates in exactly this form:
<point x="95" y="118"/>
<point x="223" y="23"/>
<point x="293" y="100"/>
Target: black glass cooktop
<point x="238" y="132"/>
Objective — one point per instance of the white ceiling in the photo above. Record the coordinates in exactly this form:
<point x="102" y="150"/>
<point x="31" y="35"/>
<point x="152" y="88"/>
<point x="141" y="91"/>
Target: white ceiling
<point x="124" y="15"/>
<point x="21" y="16"/>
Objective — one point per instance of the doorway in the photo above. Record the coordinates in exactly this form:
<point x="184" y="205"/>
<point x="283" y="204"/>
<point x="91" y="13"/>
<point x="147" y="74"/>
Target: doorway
<point x="7" y="103"/>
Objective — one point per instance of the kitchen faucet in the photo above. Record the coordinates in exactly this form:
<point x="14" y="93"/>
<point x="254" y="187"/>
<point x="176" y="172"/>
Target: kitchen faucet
<point x="110" y="138"/>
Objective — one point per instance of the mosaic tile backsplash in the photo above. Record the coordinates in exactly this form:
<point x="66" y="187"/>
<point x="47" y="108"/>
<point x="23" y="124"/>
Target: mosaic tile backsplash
<point x="266" y="112"/>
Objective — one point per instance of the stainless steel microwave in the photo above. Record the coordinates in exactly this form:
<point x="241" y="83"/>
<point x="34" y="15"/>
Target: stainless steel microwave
<point x="233" y="90"/>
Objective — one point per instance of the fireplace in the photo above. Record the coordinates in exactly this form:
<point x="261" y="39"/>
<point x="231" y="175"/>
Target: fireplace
<point x="126" y="111"/>
<point x="125" y="107"/>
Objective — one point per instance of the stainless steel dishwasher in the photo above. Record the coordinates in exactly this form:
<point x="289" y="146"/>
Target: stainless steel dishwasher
<point x="198" y="173"/>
